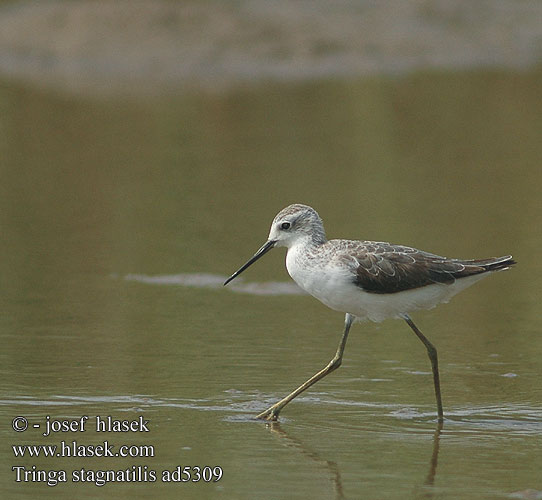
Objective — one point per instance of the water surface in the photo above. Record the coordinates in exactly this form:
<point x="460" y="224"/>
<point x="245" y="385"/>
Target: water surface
<point x="120" y="219"/>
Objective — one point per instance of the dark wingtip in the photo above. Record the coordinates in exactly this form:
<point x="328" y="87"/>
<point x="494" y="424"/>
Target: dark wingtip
<point x="509" y="260"/>
<point x="500" y="264"/>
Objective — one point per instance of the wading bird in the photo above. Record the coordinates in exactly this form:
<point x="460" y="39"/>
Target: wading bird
<point x="366" y="280"/>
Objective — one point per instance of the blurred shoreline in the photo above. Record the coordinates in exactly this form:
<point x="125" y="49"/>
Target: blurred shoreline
<point x="155" y="46"/>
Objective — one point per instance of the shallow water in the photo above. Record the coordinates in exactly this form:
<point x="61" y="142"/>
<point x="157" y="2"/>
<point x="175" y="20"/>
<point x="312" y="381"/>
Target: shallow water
<point x="120" y="221"/>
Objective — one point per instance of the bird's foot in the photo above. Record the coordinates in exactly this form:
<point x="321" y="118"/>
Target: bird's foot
<point x="271" y="414"/>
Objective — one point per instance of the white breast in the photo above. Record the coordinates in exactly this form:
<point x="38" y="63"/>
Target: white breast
<point x="333" y="284"/>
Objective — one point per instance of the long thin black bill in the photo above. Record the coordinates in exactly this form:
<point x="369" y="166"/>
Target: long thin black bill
<point x="260" y="253"/>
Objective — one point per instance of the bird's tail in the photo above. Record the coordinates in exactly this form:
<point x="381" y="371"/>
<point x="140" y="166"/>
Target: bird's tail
<point x="493" y="264"/>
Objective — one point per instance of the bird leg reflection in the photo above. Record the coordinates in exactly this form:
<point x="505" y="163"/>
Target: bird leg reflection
<point x="430" y="479"/>
<point x="428" y="490"/>
<point x="297" y="444"/>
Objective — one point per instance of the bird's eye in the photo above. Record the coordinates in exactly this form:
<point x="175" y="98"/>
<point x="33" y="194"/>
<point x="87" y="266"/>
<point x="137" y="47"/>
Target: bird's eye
<point x="285" y="225"/>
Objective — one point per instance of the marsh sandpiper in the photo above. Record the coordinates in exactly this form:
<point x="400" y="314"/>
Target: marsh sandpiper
<point x="366" y="280"/>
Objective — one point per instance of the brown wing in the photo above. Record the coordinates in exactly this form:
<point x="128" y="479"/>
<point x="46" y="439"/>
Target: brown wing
<point x="386" y="268"/>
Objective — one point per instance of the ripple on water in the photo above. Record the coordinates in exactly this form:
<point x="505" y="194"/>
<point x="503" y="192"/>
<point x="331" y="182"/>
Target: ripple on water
<point x="205" y="280"/>
<point x="506" y="420"/>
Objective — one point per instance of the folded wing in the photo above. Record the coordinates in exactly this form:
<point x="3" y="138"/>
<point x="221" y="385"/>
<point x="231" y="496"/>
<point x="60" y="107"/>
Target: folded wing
<point x="386" y="268"/>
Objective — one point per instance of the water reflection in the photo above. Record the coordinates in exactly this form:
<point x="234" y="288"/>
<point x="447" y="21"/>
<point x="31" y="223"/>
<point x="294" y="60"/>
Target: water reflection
<point x="333" y="468"/>
<point x="400" y="441"/>
<point x="206" y="280"/>
<point x="432" y="472"/>
<point x="528" y="494"/>
<point x="295" y="443"/>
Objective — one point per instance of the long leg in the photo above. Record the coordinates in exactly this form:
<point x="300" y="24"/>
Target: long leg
<point x="432" y="352"/>
<point x="272" y="412"/>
